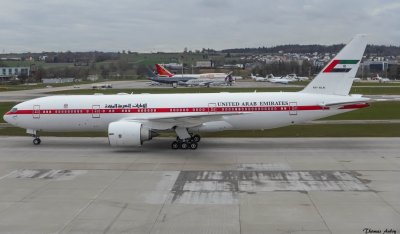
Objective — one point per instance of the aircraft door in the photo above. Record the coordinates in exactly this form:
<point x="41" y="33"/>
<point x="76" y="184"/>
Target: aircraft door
<point x="292" y="108"/>
<point x="96" y="111"/>
<point x="36" y="112"/>
<point x="212" y="108"/>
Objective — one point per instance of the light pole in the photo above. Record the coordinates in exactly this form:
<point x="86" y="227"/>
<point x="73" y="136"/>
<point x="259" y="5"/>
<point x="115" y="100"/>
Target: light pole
<point x="182" y="64"/>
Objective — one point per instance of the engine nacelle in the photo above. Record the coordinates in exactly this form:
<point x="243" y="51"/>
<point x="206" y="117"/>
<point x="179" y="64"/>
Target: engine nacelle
<point x="128" y="134"/>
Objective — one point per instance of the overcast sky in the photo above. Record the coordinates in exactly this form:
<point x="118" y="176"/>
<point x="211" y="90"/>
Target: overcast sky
<point x="160" y="25"/>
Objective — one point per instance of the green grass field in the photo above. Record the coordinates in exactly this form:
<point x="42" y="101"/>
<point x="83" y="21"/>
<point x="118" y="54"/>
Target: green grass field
<point x="4" y="107"/>
<point x="364" y="88"/>
<point x="354" y="90"/>
<point x="328" y="130"/>
<point x="390" y="90"/>
<point x="177" y="90"/>
<point x="4" y="88"/>
<point x="377" y="111"/>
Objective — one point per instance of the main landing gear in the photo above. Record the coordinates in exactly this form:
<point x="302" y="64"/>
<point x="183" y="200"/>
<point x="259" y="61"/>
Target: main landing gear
<point x="184" y="140"/>
<point x="190" y="143"/>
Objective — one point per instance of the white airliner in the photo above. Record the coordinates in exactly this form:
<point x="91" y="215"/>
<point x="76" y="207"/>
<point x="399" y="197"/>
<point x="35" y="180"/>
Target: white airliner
<point x="132" y="119"/>
<point x="272" y="79"/>
<point x="258" y="78"/>
<point x="280" y="80"/>
<point x="206" y="82"/>
<point x="380" y="79"/>
<point x="294" y="77"/>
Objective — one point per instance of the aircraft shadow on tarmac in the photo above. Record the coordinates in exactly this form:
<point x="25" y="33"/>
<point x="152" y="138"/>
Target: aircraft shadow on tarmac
<point x="208" y="144"/>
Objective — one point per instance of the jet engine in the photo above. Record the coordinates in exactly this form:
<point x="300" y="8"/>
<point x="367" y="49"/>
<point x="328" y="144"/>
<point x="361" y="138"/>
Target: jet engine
<point x="128" y="134"/>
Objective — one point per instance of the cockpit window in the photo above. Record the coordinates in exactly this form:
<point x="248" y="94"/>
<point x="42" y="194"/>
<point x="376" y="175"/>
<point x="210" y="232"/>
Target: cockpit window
<point x="13" y="110"/>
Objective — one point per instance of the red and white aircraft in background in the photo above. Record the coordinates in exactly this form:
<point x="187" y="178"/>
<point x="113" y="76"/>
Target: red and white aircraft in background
<point x="132" y="119"/>
<point x="162" y="71"/>
<point x="380" y="79"/>
<point x="204" y="79"/>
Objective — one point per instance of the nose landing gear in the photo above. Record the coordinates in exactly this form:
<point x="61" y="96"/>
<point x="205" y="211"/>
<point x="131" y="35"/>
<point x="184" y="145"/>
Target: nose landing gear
<point x="35" y="135"/>
<point x="37" y="141"/>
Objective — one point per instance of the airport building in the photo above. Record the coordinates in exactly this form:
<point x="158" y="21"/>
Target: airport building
<point x="377" y="66"/>
<point x="7" y="73"/>
<point x="205" y="64"/>
<point x="384" y="68"/>
<point x="14" y="71"/>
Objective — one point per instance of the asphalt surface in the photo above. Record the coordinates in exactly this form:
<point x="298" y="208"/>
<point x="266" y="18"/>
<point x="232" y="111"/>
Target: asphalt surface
<point x="239" y="185"/>
<point x="23" y="95"/>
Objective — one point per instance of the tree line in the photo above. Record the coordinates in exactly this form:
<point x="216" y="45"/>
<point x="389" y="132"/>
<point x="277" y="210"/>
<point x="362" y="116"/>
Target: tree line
<point x="308" y="69"/>
<point x="379" y="50"/>
<point x="283" y="68"/>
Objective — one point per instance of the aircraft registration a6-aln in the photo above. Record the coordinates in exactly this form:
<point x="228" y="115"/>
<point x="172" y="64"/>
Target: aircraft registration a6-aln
<point x="132" y="119"/>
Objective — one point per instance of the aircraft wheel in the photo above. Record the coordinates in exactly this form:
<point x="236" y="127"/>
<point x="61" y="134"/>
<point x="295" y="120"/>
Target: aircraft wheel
<point x="193" y="145"/>
<point x="184" y="145"/>
<point x="196" y="138"/>
<point x="175" y="145"/>
<point x="36" y="141"/>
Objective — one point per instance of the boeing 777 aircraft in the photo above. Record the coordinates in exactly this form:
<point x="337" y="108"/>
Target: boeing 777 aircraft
<point x="132" y="119"/>
<point x="167" y="77"/>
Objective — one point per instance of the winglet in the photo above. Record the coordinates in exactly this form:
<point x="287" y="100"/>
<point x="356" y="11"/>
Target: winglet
<point x="150" y="73"/>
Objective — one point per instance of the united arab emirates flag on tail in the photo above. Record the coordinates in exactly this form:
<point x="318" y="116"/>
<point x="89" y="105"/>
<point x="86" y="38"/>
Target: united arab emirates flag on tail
<point x="341" y="66"/>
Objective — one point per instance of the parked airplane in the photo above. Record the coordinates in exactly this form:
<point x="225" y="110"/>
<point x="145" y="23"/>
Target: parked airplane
<point x="132" y="119"/>
<point x="271" y="78"/>
<point x="294" y="77"/>
<point x="286" y="79"/>
<point x="281" y="80"/>
<point x="174" y="81"/>
<point x="176" y="66"/>
<point x="190" y="79"/>
<point x="162" y="71"/>
<point x="380" y="79"/>
<point x="102" y="86"/>
<point x="207" y="82"/>
<point x="258" y="78"/>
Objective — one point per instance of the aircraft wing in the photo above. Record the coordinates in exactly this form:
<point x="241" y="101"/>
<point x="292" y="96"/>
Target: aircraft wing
<point x="168" y="122"/>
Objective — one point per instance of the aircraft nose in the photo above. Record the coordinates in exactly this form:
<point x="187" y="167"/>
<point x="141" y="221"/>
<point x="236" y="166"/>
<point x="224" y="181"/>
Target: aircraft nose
<point x="11" y="119"/>
<point x="7" y="118"/>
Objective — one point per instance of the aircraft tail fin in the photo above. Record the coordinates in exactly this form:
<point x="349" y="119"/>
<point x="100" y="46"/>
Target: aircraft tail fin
<point x="337" y="76"/>
<point x="162" y="71"/>
<point x="150" y="73"/>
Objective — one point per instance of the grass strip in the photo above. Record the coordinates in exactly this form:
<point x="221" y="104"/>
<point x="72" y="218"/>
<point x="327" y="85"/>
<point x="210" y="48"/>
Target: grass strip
<point x="167" y="90"/>
<point x="377" y="111"/>
<point x="5" y="107"/>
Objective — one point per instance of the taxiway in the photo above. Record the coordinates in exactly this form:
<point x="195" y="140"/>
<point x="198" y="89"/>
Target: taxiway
<point x="237" y="185"/>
